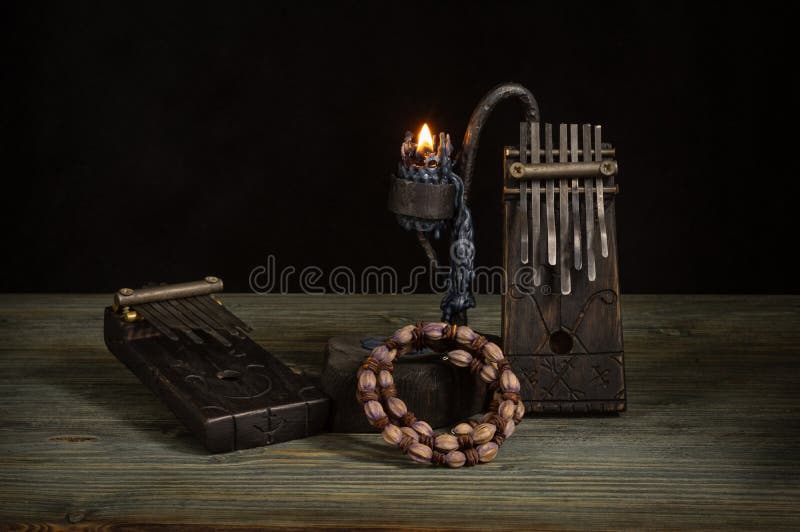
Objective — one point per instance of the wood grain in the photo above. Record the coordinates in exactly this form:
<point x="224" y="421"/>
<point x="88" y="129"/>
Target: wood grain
<point x="711" y="438"/>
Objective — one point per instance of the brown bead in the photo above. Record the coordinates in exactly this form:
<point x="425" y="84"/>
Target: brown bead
<point x="459" y="357"/>
<point x="389" y="391"/>
<point x="409" y="419"/>
<point x="492" y="352"/>
<point x="420" y="453"/>
<point x="383" y="354"/>
<point x="422" y="428"/>
<point x="519" y="413"/>
<point x="374" y="411"/>
<point x="367" y="381"/>
<point x="404" y="335"/>
<point x="471" y="456"/>
<point x="487" y="451"/>
<point x="426" y="440"/>
<point x="455" y="459"/>
<point x="462" y="429"/>
<point x="434" y="330"/>
<point x="397" y="408"/>
<point x="465" y="441"/>
<point x="488" y="374"/>
<point x="385" y="379"/>
<point x="509" y="382"/>
<point x="392" y="434"/>
<point x="363" y="397"/>
<point x="446" y="442"/>
<point x="411" y="433"/>
<point x="465" y="335"/>
<point x="483" y="433"/>
<point x="509" y="428"/>
<point x="506" y="409"/>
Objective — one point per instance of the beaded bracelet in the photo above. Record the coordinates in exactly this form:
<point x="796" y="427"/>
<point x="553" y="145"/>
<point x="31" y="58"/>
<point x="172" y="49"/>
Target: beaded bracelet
<point x="469" y="443"/>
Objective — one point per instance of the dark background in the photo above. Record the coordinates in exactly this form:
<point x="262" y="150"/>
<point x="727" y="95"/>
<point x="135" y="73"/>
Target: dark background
<point x="163" y="142"/>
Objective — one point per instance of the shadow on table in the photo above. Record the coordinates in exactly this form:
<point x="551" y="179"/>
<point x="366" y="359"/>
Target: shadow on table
<point x="106" y="400"/>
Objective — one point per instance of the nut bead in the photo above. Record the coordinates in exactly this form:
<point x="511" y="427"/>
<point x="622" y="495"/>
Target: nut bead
<point x="465" y="335"/>
<point x="506" y="409"/>
<point x="462" y="429"/>
<point x="446" y="442"/>
<point x="434" y="331"/>
<point x="483" y="433"/>
<point x="396" y="407"/>
<point x="367" y="381"/>
<point x="411" y="433"/>
<point x="422" y="428"/>
<point x="492" y="352"/>
<point x="383" y="354"/>
<point x="385" y="379"/>
<point x="459" y="357"/>
<point x="520" y="410"/>
<point x="487" y="451"/>
<point x="509" y="427"/>
<point x="392" y="434"/>
<point x="420" y="453"/>
<point x="509" y="382"/>
<point x="455" y="459"/>
<point x="404" y="335"/>
<point x="374" y="411"/>
<point x="488" y="374"/>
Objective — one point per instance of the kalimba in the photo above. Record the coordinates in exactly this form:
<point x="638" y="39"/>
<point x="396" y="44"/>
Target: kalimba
<point x="197" y="357"/>
<point x="561" y="322"/>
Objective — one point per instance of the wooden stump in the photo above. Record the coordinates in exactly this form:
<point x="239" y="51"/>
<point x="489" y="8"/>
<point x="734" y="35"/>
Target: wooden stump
<point x="434" y="390"/>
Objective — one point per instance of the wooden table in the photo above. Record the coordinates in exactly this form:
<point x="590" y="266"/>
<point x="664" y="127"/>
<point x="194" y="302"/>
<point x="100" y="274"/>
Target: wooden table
<point x="711" y="438"/>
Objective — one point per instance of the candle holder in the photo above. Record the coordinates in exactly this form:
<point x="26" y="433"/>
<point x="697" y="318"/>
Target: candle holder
<point x="427" y="196"/>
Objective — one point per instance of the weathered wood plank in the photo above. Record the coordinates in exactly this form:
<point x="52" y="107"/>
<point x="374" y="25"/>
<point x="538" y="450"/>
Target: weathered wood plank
<point x="711" y="438"/>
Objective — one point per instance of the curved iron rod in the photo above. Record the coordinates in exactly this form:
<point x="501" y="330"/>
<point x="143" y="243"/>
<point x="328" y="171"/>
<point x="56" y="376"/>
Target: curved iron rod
<point x="478" y="119"/>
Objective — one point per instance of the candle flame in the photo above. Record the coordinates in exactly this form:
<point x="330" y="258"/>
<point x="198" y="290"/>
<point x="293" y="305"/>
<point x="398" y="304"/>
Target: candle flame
<point x="425" y="140"/>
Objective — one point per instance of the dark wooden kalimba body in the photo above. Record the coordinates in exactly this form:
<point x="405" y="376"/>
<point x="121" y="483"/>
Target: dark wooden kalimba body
<point x="561" y="325"/>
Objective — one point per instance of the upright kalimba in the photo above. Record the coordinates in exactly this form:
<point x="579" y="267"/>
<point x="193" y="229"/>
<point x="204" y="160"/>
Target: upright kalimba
<point x="561" y="316"/>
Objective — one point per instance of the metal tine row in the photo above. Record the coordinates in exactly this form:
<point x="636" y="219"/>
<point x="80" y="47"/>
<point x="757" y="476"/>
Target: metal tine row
<point x="558" y="249"/>
<point x="190" y="314"/>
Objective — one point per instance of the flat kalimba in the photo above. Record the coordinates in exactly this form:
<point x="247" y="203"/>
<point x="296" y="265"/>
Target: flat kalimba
<point x="197" y="357"/>
<point x="561" y="325"/>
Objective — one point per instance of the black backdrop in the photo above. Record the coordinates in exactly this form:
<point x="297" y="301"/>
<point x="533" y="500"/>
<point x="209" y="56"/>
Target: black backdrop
<point x="163" y="141"/>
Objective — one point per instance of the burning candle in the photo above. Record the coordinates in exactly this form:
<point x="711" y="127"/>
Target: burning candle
<point x="424" y="141"/>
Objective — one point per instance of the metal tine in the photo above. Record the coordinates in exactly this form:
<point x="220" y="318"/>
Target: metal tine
<point x="173" y="322"/>
<point x="152" y="319"/>
<point x="536" y="202"/>
<point x="588" y="201"/>
<point x="184" y="324"/>
<point x="199" y="320"/>
<point x="523" y="194"/>
<point x="601" y="208"/>
<point x="576" y="200"/>
<point x="224" y="313"/>
<point x="210" y="318"/>
<point x="563" y="211"/>
<point x="549" y="198"/>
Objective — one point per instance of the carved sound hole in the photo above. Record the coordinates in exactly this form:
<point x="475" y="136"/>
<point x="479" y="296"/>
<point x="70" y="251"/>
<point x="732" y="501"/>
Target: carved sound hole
<point x="561" y="342"/>
<point x="228" y="375"/>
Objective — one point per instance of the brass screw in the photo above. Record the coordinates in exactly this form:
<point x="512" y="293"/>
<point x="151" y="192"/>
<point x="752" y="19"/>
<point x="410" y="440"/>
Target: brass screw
<point x="126" y="291"/>
<point x="130" y="316"/>
<point x="517" y="170"/>
<point x="211" y="279"/>
<point x="608" y="168"/>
